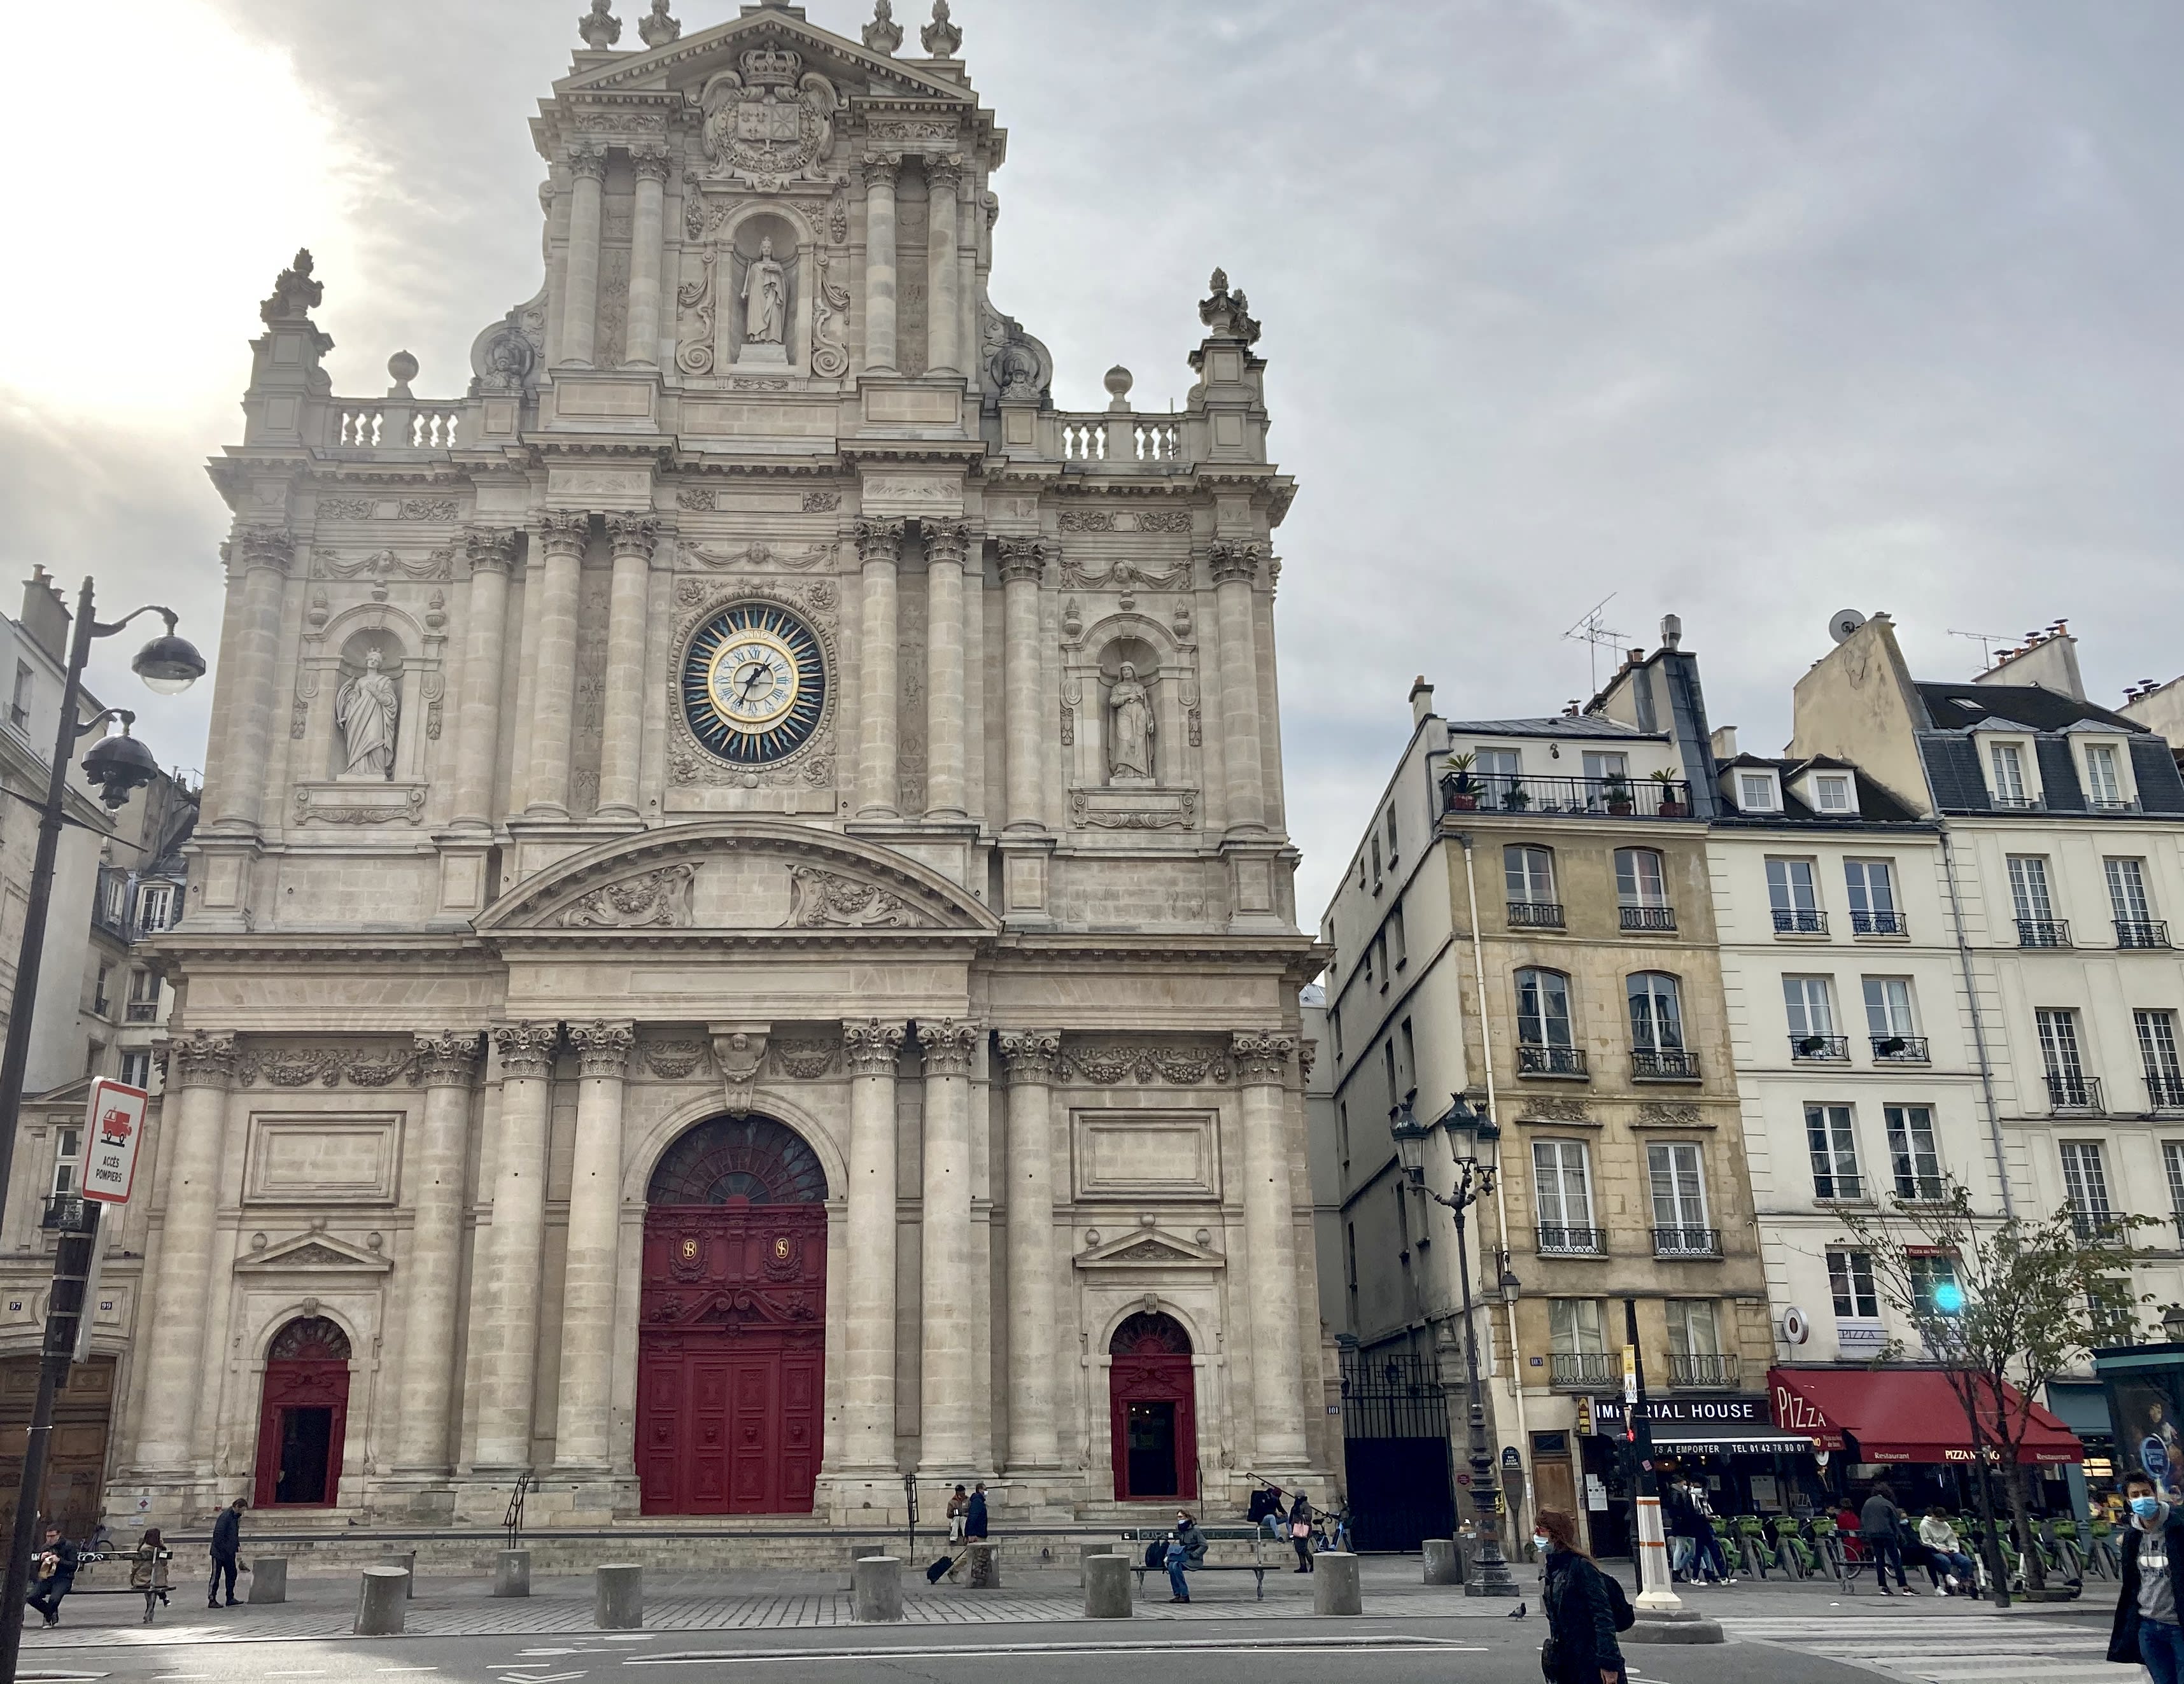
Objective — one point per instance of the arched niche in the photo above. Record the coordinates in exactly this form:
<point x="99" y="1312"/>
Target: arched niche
<point x="1167" y="671"/>
<point x="739" y="245"/>
<point x="373" y="712"/>
<point x="335" y="645"/>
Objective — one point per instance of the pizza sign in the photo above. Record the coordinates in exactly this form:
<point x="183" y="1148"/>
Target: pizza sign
<point x="115" y="1128"/>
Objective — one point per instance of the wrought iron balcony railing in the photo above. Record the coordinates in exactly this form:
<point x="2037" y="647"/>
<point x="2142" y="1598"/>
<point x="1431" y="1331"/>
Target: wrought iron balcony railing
<point x="1584" y="1369"/>
<point x="2074" y="1092"/>
<point x="1687" y="1242"/>
<point x="1535" y="914"/>
<point x="2165" y="1091"/>
<point x="1559" y="1239"/>
<point x="1878" y="924"/>
<point x="1901" y="1049"/>
<point x="1800" y="920"/>
<point x="2142" y="933"/>
<point x="2043" y="933"/>
<point x="1532" y="1060"/>
<point x="1564" y="798"/>
<point x="1649" y="917"/>
<point x="1819" y="1047"/>
<point x="1664" y="1063"/>
<point x="1704" y="1372"/>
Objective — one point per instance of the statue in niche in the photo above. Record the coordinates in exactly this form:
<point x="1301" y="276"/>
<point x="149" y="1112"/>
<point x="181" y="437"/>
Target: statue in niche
<point x="765" y="298"/>
<point x="1130" y="742"/>
<point x="366" y="708"/>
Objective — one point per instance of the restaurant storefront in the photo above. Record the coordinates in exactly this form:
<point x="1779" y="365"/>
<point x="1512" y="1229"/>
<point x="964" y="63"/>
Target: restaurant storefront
<point x="1729" y="1445"/>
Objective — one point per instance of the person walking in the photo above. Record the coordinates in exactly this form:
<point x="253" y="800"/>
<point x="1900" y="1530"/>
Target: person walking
<point x="2147" y="1632"/>
<point x="974" y="1514"/>
<point x="148" y="1570"/>
<point x="1681" y="1513"/>
<point x="1946" y="1563"/>
<point x="1580" y="1647"/>
<point x="227" y="1548"/>
<point x="1301" y="1531"/>
<point x="1881" y="1529"/>
<point x="56" y="1575"/>
<point x="1186" y="1549"/>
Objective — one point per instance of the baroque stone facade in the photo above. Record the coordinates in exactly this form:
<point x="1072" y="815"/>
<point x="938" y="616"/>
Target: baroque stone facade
<point x="744" y="896"/>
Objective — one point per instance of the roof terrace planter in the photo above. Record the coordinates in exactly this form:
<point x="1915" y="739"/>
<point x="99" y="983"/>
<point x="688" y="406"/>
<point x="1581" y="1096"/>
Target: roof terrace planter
<point x="1464" y="791"/>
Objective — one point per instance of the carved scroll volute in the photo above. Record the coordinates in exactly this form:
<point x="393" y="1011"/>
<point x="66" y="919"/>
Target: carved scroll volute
<point x="201" y="1060"/>
<point x="949" y="1046"/>
<point x="1262" y="1059"/>
<point x="526" y="1049"/>
<point x="602" y="1048"/>
<point x="1030" y="1056"/>
<point x="873" y="1048"/>
<point x="738" y="1048"/>
<point x="449" y="1060"/>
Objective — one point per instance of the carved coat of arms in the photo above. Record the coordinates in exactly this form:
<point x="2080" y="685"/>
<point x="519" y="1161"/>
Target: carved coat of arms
<point x="770" y="123"/>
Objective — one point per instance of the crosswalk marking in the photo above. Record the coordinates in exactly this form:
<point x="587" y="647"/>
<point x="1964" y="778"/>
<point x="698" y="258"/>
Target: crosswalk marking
<point x="1941" y="1650"/>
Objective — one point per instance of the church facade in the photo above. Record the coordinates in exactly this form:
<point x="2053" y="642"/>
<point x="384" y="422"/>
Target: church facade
<point x="740" y="947"/>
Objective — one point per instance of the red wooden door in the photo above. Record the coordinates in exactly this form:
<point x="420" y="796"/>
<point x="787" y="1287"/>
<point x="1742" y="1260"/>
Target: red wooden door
<point x="731" y="1356"/>
<point x="302" y="1416"/>
<point x="1153" y="1404"/>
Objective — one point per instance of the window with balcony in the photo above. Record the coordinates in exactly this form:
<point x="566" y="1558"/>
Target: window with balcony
<point x="1641" y="890"/>
<point x="155" y="907"/>
<point x="2136" y="925"/>
<point x="1889" y="1022"/>
<point x="2104" y="784"/>
<point x="1577" y="1344"/>
<point x="2069" y="1087"/>
<point x="1562" y="1193"/>
<point x="1657" y="1028"/>
<point x="1912" y="1156"/>
<point x="1500" y="776"/>
<point x="2172" y="1162"/>
<point x="1831" y="793"/>
<point x="1680" y="1206"/>
<point x="2037" y="927"/>
<point x="1696" y="1358"/>
<point x="2005" y="763"/>
<point x="1809" y="1003"/>
<point x="1832" y="1143"/>
<point x="2157" y="1051"/>
<point x="1793" y="895"/>
<point x="143" y="1003"/>
<point x="1529" y="875"/>
<point x="136" y="1070"/>
<point x="2085" y="1189"/>
<point x="1870" y="886"/>
<point x="1545" y="1045"/>
<point x="1850" y="1282"/>
<point x="68" y="1160"/>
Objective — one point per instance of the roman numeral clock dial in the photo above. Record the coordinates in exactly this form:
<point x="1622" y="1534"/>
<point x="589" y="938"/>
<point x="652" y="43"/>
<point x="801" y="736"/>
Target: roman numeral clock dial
<point x="754" y="684"/>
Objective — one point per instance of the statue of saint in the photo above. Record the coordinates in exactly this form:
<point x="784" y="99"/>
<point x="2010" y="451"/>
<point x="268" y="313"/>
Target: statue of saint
<point x="1130" y="742"/>
<point x="366" y="708"/>
<point x="765" y="298"/>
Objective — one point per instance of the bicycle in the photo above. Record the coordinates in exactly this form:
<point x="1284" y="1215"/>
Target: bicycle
<point x="2101" y="1559"/>
<point x="1828" y="1542"/>
<point x="1751" y="1532"/>
<point x="2062" y="1536"/>
<point x="1796" y="1549"/>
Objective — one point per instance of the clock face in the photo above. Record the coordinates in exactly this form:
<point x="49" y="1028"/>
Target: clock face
<point x="754" y="683"/>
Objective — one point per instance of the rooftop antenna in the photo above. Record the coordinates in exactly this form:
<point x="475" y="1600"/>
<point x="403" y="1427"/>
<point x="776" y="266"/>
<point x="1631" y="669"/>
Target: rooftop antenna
<point x="1986" y="641"/>
<point x="1592" y="629"/>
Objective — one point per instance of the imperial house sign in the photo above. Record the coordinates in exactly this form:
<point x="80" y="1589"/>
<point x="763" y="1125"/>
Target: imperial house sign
<point x="743" y="841"/>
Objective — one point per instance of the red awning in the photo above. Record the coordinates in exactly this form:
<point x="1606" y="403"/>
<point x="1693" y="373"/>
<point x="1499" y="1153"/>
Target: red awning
<point x="1902" y="1415"/>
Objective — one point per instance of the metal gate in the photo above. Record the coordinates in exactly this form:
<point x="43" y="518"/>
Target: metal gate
<point x="1395" y="1432"/>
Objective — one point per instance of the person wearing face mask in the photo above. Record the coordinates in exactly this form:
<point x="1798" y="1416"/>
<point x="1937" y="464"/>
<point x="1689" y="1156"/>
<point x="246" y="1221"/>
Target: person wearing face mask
<point x="1583" y="1608"/>
<point x="2147" y="1632"/>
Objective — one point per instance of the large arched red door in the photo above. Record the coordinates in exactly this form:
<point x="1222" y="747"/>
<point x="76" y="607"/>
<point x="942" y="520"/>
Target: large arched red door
<point x="1153" y="1399"/>
<point x="303" y="1416"/>
<point x="732" y="1333"/>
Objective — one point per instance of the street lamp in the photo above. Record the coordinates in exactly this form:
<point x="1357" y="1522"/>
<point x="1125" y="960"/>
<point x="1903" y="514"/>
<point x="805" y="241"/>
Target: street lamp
<point x="2172" y="1323"/>
<point x="1466" y="1128"/>
<point x="118" y="766"/>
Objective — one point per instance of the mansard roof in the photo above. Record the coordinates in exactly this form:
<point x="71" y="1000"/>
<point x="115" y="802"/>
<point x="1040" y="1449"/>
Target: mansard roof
<point x="2032" y="707"/>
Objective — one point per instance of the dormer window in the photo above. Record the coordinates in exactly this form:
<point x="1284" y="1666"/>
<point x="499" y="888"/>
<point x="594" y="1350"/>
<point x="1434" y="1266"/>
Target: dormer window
<point x="2006" y="761"/>
<point x="1755" y="792"/>
<point x="2107" y="786"/>
<point x="1831" y="793"/>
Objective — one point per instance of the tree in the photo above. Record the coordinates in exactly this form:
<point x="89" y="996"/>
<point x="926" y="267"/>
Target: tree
<point x="2003" y="1307"/>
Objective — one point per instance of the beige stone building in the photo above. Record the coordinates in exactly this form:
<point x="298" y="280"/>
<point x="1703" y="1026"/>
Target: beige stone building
<point x="741" y="943"/>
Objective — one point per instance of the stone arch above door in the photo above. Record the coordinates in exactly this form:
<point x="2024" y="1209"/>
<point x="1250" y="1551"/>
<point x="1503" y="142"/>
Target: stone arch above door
<point x="752" y="1158"/>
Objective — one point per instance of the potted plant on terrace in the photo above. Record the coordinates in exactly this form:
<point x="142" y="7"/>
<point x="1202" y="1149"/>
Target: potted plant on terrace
<point x="1516" y="799"/>
<point x="1615" y="791"/>
<point x="1461" y="788"/>
<point x="1671" y="807"/>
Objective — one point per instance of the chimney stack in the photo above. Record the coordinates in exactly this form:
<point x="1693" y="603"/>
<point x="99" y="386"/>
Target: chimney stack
<point x="1421" y="701"/>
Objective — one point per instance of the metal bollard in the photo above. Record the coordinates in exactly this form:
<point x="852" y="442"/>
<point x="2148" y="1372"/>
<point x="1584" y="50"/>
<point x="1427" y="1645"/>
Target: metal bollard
<point x="511" y="1573"/>
<point x="875" y="1588"/>
<point x="380" y="1600"/>
<point x="1442" y="1565"/>
<point x="618" y="1597"/>
<point x="269" y="1578"/>
<point x="1107" y="1587"/>
<point x="1334" y="1583"/>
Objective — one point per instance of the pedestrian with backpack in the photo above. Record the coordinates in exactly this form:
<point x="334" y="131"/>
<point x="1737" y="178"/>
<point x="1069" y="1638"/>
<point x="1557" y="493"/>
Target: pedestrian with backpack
<point x="1584" y="1608"/>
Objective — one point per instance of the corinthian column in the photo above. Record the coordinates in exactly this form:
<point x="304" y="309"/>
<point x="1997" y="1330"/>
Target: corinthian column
<point x="947" y="1396"/>
<point x="200" y="1068"/>
<point x="868" y="1343"/>
<point x="880" y="172"/>
<point x="879" y="542"/>
<point x="1030" y="1057"/>
<point x="1235" y="571"/>
<point x="579" y="283"/>
<point x="946" y="542"/>
<point x="584" y="1439"/>
<point x="944" y="313"/>
<point x="504" y="1321"/>
<point x="562" y="534"/>
<point x="1020" y="562"/>
<point x="492" y="552"/>
<point x="448" y="1064"/>
<point x="645" y="248"/>
<point x="632" y="537"/>
<point x="1270" y="1247"/>
<point x="263" y="554"/>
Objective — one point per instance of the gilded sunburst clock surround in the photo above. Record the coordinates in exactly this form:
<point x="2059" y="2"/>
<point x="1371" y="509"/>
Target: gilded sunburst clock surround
<point x="754" y="683"/>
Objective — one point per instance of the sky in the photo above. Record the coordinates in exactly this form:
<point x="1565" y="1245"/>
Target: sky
<point x="1747" y="312"/>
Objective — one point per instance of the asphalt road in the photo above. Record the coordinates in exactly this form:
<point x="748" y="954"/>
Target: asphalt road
<point x="1415" y="1650"/>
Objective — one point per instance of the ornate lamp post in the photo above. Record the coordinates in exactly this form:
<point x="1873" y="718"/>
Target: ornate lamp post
<point x="168" y="664"/>
<point x="1466" y="1128"/>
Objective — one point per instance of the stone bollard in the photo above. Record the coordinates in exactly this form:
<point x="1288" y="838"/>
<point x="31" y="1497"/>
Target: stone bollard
<point x="1442" y="1565"/>
<point x="379" y="1602"/>
<point x="408" y="1564"/>
<point x="618" y="1597"/>
<point x="985" y="1566"/>
<point x="269" y="1578"/>
<point x="1107" y="1587"/>
<point x="875" y="1588"/>
<point x="511" y="1573"/>
<point x="1334" y="1583"/>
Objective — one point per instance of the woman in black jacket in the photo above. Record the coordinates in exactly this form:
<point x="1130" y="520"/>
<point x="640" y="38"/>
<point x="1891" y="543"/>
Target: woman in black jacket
<point x="2146" y="1631"/>
<point x="1580" y="1647"/>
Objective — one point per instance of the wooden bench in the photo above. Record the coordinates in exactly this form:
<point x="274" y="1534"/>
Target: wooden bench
<point x="126" y="1557"/>
<point x="1256" y="1566"/>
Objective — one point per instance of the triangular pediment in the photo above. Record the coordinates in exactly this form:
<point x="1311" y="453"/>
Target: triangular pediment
<point x="689" y="61"/>
<point x="313" y="1252"/>
<point x="1150" y="1248"/>
<point x="753" y="876"/>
